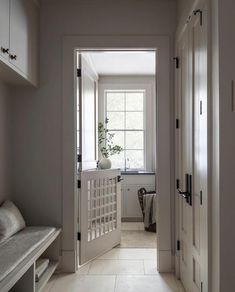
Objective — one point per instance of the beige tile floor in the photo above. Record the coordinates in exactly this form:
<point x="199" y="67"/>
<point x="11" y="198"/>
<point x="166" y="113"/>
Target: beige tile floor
<point x="134" y="235"/>
<point x="119" y="270"/>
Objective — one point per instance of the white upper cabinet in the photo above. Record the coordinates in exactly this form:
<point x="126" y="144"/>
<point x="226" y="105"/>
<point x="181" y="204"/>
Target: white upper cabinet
<point x="19" y="34"/>
<point x="20" y="37"/>
<point x="4" y="28"/>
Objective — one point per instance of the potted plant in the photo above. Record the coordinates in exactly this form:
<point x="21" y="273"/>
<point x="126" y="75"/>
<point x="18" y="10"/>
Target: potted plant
<point x="106" y="145"/>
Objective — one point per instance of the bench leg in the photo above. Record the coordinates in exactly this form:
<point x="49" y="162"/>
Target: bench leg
<point x="27" y="282"/>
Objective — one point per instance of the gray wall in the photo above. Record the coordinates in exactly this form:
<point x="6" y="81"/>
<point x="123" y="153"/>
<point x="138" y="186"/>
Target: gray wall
<point x="215" y="191"/>
<point x="5" y="124"/>
<point x="226" y="38"/>
<point x="37" y="113"/>
<point x="183" y="8"/>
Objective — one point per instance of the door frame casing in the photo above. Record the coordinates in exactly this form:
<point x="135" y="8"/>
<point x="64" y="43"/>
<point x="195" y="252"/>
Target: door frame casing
<point x="165" y="139"/>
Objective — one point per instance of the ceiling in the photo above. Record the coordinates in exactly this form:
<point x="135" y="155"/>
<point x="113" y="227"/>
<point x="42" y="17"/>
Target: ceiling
<point x="123" y="62"/>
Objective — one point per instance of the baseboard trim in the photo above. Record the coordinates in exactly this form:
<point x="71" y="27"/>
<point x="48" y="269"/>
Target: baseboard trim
<point x="132" y="219"/>
<point x="68" y="263"/>
<point x="164" y="261"/>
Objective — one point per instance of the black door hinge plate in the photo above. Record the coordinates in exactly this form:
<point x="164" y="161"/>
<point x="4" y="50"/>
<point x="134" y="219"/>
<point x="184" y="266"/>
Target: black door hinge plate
<point x="178" y="245"/>
<point x="201" y="197"/>
<point x="177" y="123"/>
<point x="79" y="72"/>
<point x="195" y="12"/>
<point x="79" y="158"/>
<point x="78" y="236"/>
<point x="177" y="184"/>
<point x="177" y="62"/>
<point x="78" y="184"/>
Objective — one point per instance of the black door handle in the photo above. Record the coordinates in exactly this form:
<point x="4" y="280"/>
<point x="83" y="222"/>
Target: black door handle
<point x="13" y="57"/>
<point x="4" y="50"/>
<point x="119" y="178"/>
<point x="185" y="195"/>
<point x="188" y="193"/>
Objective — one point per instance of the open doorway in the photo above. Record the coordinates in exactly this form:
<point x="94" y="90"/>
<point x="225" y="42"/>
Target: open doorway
<point x="116" y="110"/>
<point x="164" y="178"/>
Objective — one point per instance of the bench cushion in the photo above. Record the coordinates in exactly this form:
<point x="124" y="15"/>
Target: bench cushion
<point x="11" y="220"/>
<point x="16" y="248"/>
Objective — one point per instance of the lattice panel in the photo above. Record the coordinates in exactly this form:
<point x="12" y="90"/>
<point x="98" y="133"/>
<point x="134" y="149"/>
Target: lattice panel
<point x="102" y="207"/>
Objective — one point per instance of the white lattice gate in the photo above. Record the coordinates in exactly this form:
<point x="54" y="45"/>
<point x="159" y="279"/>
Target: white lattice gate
<point x="100" y="213"/>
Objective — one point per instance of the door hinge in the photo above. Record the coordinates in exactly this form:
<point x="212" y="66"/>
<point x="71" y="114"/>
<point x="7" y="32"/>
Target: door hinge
<point x="78" y="236"/>
<point x="177" y="123"/>
<point x="79" y="72"/>
<point x="178" y="245"/>
<point x="200" y="107"/>
<point x="195" y="12"/>
<point x="201" y="197"/>
<point x="177" y="184"/>
<point x="79" y="157"/>
<point x="201" y="286"/>
<point x="78" y="184"/>
<point x="177" y="62"/>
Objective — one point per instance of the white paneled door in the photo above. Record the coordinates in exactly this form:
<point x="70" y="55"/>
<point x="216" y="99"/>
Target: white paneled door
<point x="86" y="113"/>
<point x="193" y="155"/>
<point x="99" y="191"/>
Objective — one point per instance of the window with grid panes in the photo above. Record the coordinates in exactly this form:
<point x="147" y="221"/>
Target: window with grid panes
<point x="125" y="111"/>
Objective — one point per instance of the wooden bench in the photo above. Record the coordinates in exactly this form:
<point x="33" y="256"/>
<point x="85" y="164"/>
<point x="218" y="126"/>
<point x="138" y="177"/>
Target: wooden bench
<point x="18" y="256"/>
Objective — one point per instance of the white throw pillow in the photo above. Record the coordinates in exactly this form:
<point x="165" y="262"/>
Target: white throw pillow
<point x="11" y="220"/>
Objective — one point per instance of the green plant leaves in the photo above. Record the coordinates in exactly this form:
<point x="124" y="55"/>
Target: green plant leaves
<point x="106" y="145"/>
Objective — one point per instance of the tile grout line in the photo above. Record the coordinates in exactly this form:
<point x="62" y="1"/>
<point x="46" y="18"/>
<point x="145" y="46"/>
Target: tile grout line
<point x="144" y="268"/>
<point x="89" y="267"/>
<point x="124" y="259"/>
<point x="51" y="285"/>
<point x="115" y="284"/>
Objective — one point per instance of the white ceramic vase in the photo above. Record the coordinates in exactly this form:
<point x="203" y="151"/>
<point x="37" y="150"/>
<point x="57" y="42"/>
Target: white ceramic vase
<point x="105" y="163"/>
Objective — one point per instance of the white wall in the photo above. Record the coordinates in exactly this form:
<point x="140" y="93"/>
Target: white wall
<point x="37" y="114"/>
<point x="5" y="123"/>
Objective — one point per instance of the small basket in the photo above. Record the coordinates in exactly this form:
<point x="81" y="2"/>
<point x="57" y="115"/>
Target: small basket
<point x="141" y="193"/>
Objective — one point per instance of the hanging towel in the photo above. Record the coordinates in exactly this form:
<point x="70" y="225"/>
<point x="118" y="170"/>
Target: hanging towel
<point x="149" y="202"/>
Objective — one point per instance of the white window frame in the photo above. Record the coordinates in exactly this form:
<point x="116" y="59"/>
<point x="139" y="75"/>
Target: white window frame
<point x="125" y="130"/>
<point x="134" y="83"/>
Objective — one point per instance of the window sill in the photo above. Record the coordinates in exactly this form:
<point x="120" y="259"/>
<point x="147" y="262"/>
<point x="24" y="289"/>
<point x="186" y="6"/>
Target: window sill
<point x="131" y="172"/>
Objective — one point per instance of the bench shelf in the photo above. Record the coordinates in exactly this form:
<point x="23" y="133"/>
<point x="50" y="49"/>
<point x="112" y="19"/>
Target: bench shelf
<point x="46" y="276"/>
<point x="22" y="278"/>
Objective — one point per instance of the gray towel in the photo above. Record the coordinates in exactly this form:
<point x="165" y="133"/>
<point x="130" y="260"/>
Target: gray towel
<point x="149" y="202"/>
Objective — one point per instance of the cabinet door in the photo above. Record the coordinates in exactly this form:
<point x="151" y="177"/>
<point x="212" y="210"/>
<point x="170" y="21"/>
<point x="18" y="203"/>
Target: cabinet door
<point x="132" y="203"/>
<point x="123" y="191"/>
<point x="19" y="34"/>
<point x="4" y="27"/>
